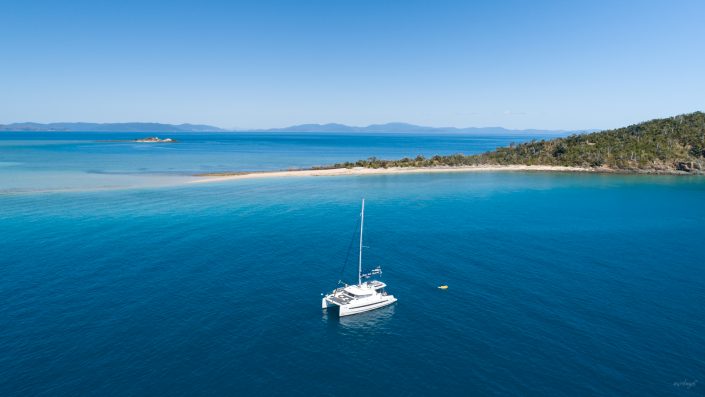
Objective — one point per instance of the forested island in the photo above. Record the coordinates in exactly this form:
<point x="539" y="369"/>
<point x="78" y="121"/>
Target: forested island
<point x="670" y="145"/>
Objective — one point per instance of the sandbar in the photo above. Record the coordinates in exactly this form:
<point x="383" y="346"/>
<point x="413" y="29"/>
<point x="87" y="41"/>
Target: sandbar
<point x="361" y="171"/>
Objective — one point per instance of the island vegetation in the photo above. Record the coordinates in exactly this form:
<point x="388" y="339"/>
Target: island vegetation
<point x="669" y="145"/>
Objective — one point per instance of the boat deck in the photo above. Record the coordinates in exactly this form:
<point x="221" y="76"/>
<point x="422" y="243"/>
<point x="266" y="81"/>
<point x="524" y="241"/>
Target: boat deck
<point x="339" y="297"/>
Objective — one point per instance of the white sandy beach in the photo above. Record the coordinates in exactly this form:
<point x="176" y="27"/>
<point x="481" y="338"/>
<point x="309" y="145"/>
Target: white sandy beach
<point x="359" y="171"/>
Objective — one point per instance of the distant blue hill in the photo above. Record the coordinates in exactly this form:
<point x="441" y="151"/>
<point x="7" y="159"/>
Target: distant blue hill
<point x="110" y="127"/>
<point x="404" y="127"/>
<point x="302" y="128"/>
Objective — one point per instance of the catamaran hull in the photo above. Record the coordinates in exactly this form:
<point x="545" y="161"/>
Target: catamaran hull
<point x="347" y="310"/>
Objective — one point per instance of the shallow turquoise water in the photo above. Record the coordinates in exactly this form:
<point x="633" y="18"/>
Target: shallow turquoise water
<point x="63" y="161"/>
<point x="559" y="285"/>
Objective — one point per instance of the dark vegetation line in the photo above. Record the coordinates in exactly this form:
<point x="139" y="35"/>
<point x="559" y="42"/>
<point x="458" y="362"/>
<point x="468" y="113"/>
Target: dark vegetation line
<point x="671" y="145"/>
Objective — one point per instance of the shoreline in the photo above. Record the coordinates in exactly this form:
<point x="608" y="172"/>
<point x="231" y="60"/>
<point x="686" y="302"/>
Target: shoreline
<point x="358" y="171"/>
<point x="361" y="171"/>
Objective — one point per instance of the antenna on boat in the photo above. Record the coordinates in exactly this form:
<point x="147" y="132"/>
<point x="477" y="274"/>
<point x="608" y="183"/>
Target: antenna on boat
<point x="362" y="222"/>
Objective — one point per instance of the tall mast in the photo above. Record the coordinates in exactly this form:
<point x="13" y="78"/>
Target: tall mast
<point x="359" y="265"/>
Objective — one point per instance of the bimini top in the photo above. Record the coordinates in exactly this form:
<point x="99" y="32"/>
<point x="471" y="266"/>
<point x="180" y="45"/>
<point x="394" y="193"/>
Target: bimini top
<point x="366" y="288"/>
<point x="376" y="284"/>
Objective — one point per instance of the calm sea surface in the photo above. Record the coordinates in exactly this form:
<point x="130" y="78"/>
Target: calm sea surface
<point x="53" y="161"/>
<point x="559" y="284"/>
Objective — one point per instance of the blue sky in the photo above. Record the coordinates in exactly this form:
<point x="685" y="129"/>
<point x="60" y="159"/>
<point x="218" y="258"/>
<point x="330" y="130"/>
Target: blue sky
<point x="517" y="64"/>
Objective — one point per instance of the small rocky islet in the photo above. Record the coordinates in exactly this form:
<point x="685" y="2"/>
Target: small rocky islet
<point x="155" y="139"/>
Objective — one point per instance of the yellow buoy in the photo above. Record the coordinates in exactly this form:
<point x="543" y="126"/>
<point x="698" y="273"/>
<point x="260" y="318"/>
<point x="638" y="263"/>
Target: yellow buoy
<point x="443" y="287"/>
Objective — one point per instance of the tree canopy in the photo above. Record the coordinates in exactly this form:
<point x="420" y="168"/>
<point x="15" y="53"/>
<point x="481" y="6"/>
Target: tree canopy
<point x="674" y="144"/>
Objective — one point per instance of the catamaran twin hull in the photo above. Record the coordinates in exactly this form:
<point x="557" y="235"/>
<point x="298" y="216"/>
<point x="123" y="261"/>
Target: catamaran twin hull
<point x="354" y="299"/>
<point x="346" y="310"/>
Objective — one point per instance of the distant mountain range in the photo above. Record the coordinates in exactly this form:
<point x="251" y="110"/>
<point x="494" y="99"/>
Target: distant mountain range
<point x="320" y="128"/>
<point x="405" y="127"/>
<point x="110" y="127"/>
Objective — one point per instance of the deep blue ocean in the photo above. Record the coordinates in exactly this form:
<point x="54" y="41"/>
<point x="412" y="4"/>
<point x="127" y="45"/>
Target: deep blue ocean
<point x="559" y="284"/>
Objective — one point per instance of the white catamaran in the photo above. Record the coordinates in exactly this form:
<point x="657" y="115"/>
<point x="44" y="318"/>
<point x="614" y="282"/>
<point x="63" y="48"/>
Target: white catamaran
<point x="370" y="295"/>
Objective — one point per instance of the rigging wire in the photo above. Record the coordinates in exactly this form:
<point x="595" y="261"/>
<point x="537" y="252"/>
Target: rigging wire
<point x="347" y="256"/>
